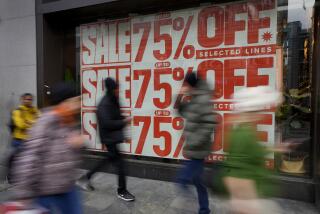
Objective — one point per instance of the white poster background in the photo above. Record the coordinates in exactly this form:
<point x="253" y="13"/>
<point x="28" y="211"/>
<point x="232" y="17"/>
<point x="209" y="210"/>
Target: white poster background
<point x="111" y="49"/>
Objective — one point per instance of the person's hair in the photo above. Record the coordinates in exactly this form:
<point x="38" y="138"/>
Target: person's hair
<point x="111" y="85"/>
<point x="62" y="91"/>
<point x="191" y="79"/>
<point x="26" y="95"/>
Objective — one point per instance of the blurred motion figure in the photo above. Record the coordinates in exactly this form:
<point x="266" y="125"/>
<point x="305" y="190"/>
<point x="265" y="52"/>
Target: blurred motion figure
<point x="245" y="174"/>
<point x="199" y="127"/>
<point x="44" y="170"/>
<point x="111" y="128"/>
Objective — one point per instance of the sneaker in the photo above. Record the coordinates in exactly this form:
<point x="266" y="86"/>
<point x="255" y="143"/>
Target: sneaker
<point x="85" y="184"/>
<point x="5" y="185"/>
<point x="126" y="196"/>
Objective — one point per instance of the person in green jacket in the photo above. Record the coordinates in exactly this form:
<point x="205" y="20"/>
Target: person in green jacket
<point x="245" y="170"/>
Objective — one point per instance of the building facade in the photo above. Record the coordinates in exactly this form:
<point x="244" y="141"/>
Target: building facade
<point x="17" y="59"/>
<point x="149" y="45"/>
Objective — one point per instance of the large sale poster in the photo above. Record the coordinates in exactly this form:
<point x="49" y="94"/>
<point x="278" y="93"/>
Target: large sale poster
<point x="230" y="45"/>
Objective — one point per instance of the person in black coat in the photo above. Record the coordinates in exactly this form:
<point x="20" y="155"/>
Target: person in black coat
<point x="111" y="126"/>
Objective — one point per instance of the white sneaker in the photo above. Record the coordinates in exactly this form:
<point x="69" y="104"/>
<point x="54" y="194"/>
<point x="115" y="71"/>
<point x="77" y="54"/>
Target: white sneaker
<point x="85" y="184"/>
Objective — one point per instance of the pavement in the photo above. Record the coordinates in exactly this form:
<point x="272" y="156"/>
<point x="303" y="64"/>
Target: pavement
<point x="158" y="197"/>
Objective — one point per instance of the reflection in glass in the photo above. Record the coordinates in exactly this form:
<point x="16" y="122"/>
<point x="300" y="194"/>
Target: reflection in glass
<point x="294" y="116"/>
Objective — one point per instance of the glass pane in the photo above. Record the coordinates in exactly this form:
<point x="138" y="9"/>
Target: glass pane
<point x="294" y="116"/>
<point x="294" y="61"/>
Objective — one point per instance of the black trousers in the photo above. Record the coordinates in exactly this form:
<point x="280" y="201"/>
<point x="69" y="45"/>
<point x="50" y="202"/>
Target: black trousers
<point x="113" y="157"/>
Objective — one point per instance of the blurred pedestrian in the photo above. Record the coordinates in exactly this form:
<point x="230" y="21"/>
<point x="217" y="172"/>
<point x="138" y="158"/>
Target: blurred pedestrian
<point x="44" y="170"/>
<point x="111" y="128"/>
<point x="245" y="173"/>
<point x="199" y="127"/>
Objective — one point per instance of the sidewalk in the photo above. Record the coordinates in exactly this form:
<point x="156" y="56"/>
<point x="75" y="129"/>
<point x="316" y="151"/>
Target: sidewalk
<point x="157" y="197"/>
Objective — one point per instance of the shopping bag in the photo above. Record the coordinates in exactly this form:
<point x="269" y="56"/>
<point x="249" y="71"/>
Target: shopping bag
<point x="20" y="208"/>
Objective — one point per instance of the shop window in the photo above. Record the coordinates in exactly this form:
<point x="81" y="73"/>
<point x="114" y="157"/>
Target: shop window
<point x="290" y="36"/>
<point x="294" y="116"/>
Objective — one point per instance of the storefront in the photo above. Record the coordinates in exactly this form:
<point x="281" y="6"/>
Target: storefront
<point x="148" y="47"/>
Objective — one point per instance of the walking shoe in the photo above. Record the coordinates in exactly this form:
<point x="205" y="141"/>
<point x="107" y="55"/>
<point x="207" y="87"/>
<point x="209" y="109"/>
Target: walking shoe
<point x="125" y="195"/>
<point x="5" y="185"/>
<point x="85" y="184"/>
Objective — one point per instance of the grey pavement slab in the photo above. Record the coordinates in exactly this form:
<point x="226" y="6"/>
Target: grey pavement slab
<point x="158" y="197"/>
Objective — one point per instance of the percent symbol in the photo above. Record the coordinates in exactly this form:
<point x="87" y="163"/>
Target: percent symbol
<point x="188" y="50"/>
<point x="180" y="96"/>
<point x="178" y="73"/>
<point x="177" y="123"/>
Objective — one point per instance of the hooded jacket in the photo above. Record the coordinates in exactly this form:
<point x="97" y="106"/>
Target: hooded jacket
<point x="200" y="122"/>
<point x="45" y="164"/>
<point x="111" y="122"/>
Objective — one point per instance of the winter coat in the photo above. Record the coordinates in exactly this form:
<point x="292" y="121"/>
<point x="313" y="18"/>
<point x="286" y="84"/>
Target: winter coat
<point x="200" y="122"/>
<point x="23" y="118"/>
<point x="111" y="122"/>
<point x="45" y="164"/>
<point x="246" y="158"/>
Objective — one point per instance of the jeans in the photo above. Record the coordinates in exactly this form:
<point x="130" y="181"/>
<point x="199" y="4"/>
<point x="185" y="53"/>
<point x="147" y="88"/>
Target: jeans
<point x="16" y="143"/>
<point x="112" y="156"/>
<point x="65" y="203"/>
<point x="192" y="173"/>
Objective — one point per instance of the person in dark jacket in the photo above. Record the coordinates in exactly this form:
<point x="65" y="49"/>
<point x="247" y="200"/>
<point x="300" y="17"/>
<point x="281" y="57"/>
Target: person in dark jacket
<point x="111" y="126"/>
<point x="200" y="124"/>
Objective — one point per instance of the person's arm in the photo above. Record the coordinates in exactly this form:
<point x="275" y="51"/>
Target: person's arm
<point x="207" y="121"/>
<point x="105" y="120"/>
<point x="19" y="121"/>
<point x="207" y="115"/>
<point x="37" y="112"/>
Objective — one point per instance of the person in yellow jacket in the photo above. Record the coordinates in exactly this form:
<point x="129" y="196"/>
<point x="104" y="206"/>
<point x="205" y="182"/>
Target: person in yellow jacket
<point x="23" y="118"/>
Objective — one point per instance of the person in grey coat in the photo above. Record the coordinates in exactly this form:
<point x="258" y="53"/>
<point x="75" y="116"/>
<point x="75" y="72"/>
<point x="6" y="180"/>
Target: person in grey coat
<point x="199" y="127"/>
<point x="44" y="169"/>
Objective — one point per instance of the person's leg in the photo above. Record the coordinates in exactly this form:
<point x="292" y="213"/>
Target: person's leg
<point x="101" y="164"/>
<point x="47" y="202"/>
<point x="184" y="178"/>
<point x="201" y="188"/>
<point x="243" y="193"/>
<point x="84" y="182"/>
<point x="119" y="163"/>
<point x="186" y="173"/>
<point x="117" y="160"/>
<point x="70" y="202"/>
<point x="16" y="143"/>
